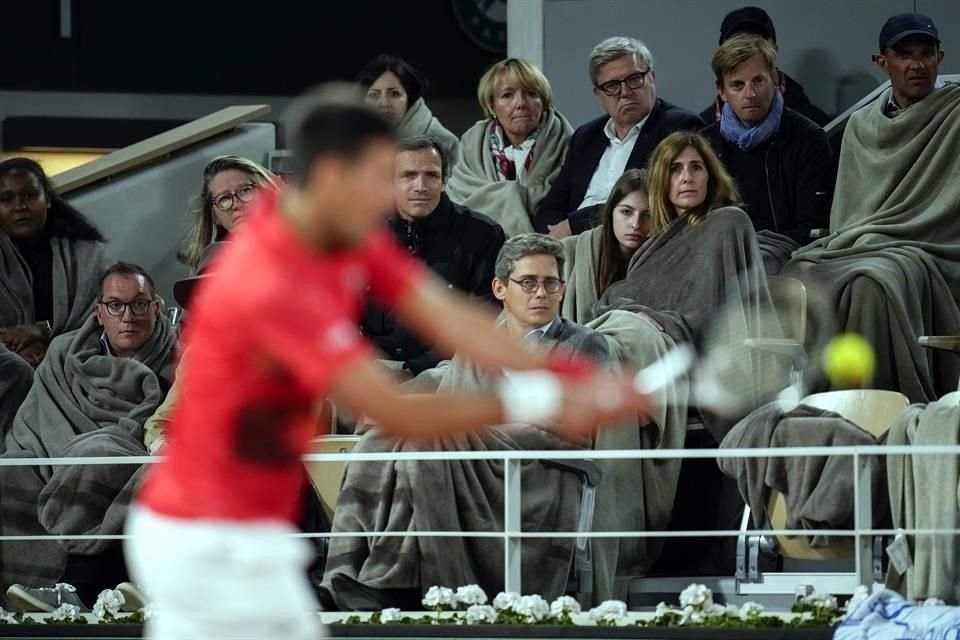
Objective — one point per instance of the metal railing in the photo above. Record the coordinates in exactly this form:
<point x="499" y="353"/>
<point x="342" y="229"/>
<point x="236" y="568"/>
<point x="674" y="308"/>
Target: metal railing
<point x="512" y="535"/>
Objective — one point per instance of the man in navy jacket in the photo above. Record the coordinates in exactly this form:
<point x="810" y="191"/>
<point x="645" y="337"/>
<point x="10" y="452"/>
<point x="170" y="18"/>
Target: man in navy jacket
<point x="623" y="78"/>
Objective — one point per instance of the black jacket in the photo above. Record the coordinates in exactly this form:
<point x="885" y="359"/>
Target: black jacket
<point x="587" y="145"/>
<point x="794" y="97"/>
<point x="797" y="172"/>
<point x="461" y="247"/>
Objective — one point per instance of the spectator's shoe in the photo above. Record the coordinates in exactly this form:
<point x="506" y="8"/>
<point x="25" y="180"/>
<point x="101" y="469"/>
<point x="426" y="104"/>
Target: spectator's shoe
<point x="43" y="599"/>
<point x="133" y="598"/>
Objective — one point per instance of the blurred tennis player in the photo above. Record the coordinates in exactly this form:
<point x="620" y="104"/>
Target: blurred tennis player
<point x="274" y="330"/>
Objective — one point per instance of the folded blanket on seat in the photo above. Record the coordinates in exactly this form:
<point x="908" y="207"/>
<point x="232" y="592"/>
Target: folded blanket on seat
<point x="818" y="490"/>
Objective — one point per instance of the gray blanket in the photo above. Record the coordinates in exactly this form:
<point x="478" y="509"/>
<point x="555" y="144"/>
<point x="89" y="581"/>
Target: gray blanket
<point x="76" y="276"/>
<point x="420" y="121"/>
<point x="776" y="250"/>
<point x="818" y="491"/>
<point x="457" y="496"/>
<point x="511" y="203"/>
<point x="682" y="276"/>
<point x="81" y="403"/>
<point x="636" y="495"/>
<point x="77" y="267"/>
<point x="924" y="495"/>
<point x="581" y="261"/>
<point x="891" y="263"/>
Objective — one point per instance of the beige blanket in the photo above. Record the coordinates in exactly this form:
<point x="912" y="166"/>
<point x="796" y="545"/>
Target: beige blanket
<point x="923" y="495"/>
<point x="892" y="260"/>
<point x="475" y="184"/>
<point x="581" y="261"/>
<point x="420" y="121"/>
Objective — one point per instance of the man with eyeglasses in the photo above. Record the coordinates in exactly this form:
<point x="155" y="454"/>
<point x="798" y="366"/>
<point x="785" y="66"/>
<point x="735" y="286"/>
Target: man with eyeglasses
<point x="528" y="282"/>
<point x="127" y="310"/>
<point x="624" y="81"/>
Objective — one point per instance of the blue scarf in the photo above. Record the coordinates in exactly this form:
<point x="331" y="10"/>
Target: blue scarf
<point x="733" y="128"/>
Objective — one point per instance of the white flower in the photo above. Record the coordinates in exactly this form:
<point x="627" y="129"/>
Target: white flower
<point x="751" y="610"/>
<point x="933" y="602"/>
<point x="611" y="611"/>
<point x="691" y="614"/>
<point x="731" y="610"/>
<point x="564" y="604"/>
<point x="662" y="609"/>
<point x="149" y="612"/>
<point x="108" y="604"/>
<point x="7" y="616"/>
<point x="696" y="595"/>
<point x="534" y="608"/>
<point x="439" y="597"/>
<point x="65" y="613"/>
<point x="481" y="614"/>
<point x="471" y="595"/>
<point x="506" y="601"/>
<point x="821" y="601"/>
<point x="390" y="616"/>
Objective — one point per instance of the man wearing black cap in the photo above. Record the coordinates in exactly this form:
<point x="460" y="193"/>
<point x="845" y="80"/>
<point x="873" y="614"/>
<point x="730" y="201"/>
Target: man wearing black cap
<point x="910" y="54"/>
<point x="756" y="21"/>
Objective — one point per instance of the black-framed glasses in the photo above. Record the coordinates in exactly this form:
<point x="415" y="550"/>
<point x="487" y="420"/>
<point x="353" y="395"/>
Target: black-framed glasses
<point x="530" y="285"/>
<point x="228" y="200"/>
<point x="138" y="307"/>
<point x="633" y="81"/>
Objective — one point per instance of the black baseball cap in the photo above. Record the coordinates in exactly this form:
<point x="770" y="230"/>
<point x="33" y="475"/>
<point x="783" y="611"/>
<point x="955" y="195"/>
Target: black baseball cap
<point x="904" y="25"/>
<point x="749" y="19"/>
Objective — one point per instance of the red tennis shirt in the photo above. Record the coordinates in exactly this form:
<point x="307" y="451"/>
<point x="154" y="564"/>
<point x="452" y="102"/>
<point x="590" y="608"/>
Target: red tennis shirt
<point x="267" y="334"/>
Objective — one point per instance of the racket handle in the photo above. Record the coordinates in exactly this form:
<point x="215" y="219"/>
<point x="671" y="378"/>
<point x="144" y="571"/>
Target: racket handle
<point x="664" y="371"/>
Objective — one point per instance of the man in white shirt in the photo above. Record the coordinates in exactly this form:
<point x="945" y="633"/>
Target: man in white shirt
<point x="624" y="81"/>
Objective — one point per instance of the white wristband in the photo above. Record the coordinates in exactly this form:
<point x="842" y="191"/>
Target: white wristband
<point x="532" y="397"/>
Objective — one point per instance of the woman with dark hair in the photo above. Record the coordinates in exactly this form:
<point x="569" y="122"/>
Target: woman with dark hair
<point x="396" y="89"/>
<point x="50" y="261"/>
<point x="228" y="184"/>
<point x="599" y="257"/>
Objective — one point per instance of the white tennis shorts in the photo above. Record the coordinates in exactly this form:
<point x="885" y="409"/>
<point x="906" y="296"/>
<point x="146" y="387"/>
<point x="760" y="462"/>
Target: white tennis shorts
<point x="212" y="579"/>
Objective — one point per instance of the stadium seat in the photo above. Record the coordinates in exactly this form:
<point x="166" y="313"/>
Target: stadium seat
<point x="327" y="476"/>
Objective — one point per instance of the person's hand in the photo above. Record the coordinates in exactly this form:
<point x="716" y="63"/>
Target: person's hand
<point x="560" y="230"/>
<point x="34" y="353"/>
<point x="19" y="337"/>
<point x="598" y="401"/>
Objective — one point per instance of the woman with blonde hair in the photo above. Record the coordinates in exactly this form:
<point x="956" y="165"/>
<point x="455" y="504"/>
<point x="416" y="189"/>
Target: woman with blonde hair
<point x="599" y="257"/>
<point x="229" y="184"/>
<point x="507" y="161"/>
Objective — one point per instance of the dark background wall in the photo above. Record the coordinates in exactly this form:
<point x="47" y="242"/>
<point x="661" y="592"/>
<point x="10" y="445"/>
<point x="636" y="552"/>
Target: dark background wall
<point x="237" y="47"/>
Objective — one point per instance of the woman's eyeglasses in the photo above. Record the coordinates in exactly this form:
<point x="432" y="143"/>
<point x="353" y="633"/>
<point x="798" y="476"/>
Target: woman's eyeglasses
<point x="227" y="201"/>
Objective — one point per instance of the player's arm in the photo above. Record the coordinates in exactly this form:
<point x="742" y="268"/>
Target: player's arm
<point x="365" y="388"/>
<point x="453" y="324"/>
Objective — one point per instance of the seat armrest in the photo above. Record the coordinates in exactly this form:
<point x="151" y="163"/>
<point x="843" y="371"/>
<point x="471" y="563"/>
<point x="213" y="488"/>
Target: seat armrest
<point x="943" y="343"/>
<point x="588" y="470"/>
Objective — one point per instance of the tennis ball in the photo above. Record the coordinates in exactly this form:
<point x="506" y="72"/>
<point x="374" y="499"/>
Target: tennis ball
<point x="848" y="361"/>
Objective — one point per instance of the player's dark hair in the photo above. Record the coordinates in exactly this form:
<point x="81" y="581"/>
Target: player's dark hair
<point x="419" y="143"/>
<point x="63" y="219"/>
<point x="332" y="121"/>
<point x="128" y="269"/>
<point x="413" y="83"/>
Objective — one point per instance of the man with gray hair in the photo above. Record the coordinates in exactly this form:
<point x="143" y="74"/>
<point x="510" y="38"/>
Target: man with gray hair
<point x="624" y="81"/>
